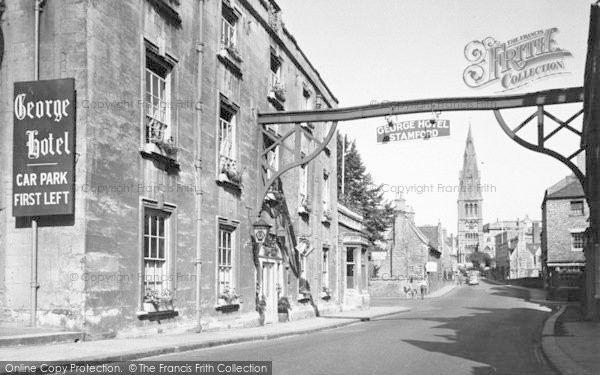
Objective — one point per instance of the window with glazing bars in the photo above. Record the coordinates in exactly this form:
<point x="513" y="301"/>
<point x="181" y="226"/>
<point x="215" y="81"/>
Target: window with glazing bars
<point x="155" y="251"/>
<point x="325" y="275"/>
<point x="227" y="155"/>
<point x="227" y="33"/>
<point x="155" y="102"/>
<point x="228" y="27"/>
<point x="577" y="207"/>
<point x="326" y="192"/>
<point x="577" y="240"/>
<point x="303" y="182"/>
<point x="225" y="256"/>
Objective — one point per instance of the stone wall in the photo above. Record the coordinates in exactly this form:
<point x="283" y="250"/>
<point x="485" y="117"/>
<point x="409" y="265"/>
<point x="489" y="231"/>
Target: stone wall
<point x="556" y="232"/>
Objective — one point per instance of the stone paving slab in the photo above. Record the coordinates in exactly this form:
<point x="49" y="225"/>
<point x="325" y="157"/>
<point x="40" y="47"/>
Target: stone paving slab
<point x="129" y="349"/>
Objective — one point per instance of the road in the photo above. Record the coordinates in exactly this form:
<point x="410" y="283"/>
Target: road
<point x="483" y="329"/>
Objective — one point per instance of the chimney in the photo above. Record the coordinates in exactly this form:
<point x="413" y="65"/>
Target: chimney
<point x="581" y="161"/>
<point x="410" y="214"/>
<point x="399" y="203"/>
<point x="536" y="238"/>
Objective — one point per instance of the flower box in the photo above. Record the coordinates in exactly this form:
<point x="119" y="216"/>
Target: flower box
<point x="228" y="308"/>
<point x="157" y="315"/>
<point x="304" y="208"/>
<point x="230" y="174"/>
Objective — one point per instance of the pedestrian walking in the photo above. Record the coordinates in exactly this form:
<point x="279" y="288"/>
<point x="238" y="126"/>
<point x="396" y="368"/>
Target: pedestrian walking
<point x="423" y="285"/>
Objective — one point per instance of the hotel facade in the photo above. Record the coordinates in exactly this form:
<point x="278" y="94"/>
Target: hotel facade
<point x="166" y="172"/>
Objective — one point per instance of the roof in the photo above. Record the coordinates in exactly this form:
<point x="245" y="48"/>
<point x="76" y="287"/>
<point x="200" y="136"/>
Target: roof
<point x="418" y="232"/>
<point x="568" y="187"/>
<point x="572" y="189"/>
<point x="431" y="232"/>
<point x="425" y="239"/>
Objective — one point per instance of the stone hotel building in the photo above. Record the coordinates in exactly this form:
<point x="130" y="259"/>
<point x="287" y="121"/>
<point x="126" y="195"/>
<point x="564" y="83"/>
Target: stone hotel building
<point x="166" y="179"/>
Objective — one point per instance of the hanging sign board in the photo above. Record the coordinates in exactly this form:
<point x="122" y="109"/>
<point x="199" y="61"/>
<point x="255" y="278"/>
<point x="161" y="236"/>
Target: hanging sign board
<point x="414" y="129"/>
<point x="44" y="148"/>
<point x="431" y="267"/>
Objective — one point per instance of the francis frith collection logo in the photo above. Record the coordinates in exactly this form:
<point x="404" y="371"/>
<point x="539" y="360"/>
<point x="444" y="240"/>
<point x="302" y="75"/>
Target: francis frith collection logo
<point x="516" y="62"/>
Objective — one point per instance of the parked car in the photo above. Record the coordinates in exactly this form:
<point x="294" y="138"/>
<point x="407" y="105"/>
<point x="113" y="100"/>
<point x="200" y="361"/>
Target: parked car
<point x="473" y="280"/>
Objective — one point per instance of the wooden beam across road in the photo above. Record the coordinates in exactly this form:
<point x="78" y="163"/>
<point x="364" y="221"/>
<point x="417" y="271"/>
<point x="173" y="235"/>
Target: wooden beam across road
<point x="480" y="103"/>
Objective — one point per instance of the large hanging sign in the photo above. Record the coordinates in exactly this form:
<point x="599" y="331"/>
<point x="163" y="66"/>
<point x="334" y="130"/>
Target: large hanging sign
<point x="516" y="62"/>
<point x="44" y="148"/>
<point x="414" y="129"/>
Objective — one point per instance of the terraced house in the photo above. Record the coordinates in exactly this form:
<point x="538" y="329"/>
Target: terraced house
<point x="167" y="169"/>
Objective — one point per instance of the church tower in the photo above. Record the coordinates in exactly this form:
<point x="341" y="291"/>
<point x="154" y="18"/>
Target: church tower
<point x="470" y="204"/>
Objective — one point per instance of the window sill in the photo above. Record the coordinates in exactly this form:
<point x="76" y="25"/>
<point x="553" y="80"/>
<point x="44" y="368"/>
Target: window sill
<point x="157" y="315"/>
<point x="228" y="308"/>
<point x="224" y="181"/>
<point x="165" y="162"/>
<point x="303" y="211"/>
<point x="231" y="61"/>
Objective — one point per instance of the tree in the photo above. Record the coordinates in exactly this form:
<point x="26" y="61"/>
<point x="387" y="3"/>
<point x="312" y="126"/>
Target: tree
<point x="361" y="194"/>
<point x="480" y="259"/>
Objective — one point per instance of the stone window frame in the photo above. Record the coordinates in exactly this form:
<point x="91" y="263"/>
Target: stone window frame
<point x="303" y="252"/>
<point x="169" y="212"/>
<point x="577" y="238"/>
<point x="304" y="181"/>
<point x="352" y="264"/>
<point x="326" y="191"/>
<point x="325" y="266"/>
<point x="579" y="211"/>
<point x="162" y="67"/>
<point x="230" y="19"/>
<point x="231" y="227"/>
<point x="276" y="78"/>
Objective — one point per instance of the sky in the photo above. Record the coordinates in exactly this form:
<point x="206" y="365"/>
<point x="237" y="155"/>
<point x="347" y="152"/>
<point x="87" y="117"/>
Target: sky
<point x="388" y="50"/>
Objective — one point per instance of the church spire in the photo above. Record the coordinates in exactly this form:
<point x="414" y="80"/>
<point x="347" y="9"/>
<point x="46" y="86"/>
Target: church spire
<point x="470" y="203"/>
<point x="469" y="175"/>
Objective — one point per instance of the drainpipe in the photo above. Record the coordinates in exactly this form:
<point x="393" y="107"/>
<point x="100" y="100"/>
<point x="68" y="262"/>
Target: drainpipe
<point x="198" y="166"/>
<point x="34" y="220"/>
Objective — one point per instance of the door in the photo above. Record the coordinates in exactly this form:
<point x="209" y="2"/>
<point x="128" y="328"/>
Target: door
<point x="269" y="290"/>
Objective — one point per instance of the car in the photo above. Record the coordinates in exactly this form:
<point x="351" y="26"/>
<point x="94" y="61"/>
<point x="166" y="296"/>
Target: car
<point x="473" y="280"/>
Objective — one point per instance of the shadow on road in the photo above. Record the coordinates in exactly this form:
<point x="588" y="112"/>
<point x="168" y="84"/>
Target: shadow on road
<point x="502" y="339"/>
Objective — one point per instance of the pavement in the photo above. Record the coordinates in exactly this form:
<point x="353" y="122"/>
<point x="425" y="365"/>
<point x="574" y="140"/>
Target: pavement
<point x="574" y="350"/>
<point x="114" y="350"/>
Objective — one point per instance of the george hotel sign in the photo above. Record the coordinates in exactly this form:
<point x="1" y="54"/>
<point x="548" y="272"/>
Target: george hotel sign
<point x="44" y="147"/>
<point x="413" y="129"/>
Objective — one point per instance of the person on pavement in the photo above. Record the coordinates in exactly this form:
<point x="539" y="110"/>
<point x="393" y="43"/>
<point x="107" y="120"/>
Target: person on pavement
<point x="423" y="286"/>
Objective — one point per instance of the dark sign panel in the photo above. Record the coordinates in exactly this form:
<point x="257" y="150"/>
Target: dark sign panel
<point x="414" y="129"/>
<point x="44" y="148"/>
